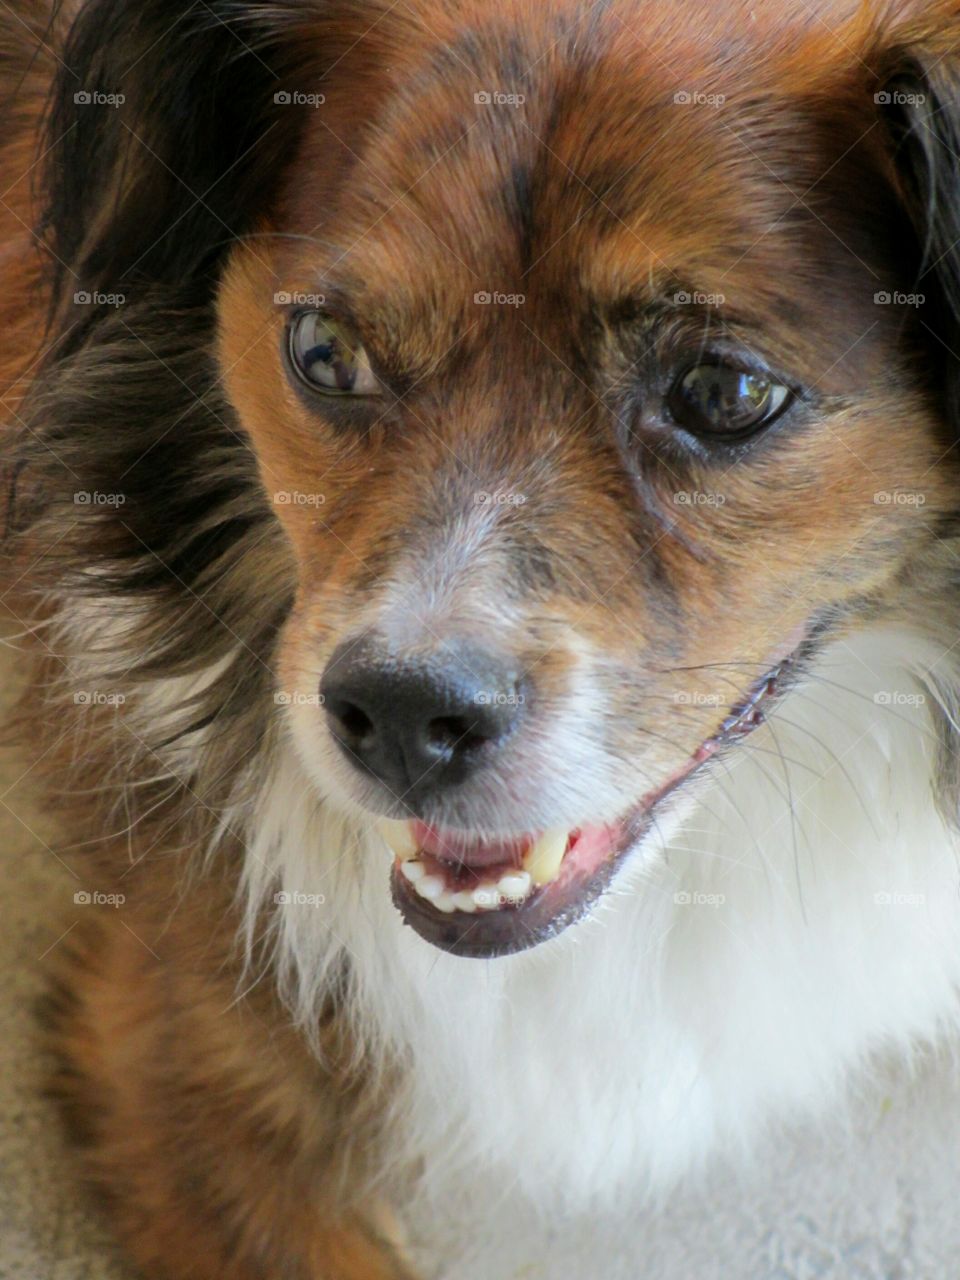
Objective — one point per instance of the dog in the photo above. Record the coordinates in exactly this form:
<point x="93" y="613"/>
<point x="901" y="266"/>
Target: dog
<point x="482" y="496"/>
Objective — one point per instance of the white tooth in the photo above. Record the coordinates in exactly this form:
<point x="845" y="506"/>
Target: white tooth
<point x="398" y="836"/>
<point x="445" y="903"/>
<point x="464" y="902"/>
<point x="413" y="870"/>
<point x="487" y="897"/>
<point x="544" y="858"/>
<point x="430" y="887"/>
<point x="515" y="885"/>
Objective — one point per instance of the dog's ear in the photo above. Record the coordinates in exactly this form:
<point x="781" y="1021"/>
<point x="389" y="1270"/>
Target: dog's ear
<point x="163" y="137"/>
<point x="919" y="99"/>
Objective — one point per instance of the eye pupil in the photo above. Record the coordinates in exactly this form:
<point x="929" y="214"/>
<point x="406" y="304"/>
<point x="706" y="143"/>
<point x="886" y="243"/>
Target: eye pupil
<point x="334" y="361"/>
<point x="328" y="357"/>
<point x="720" y="399"/>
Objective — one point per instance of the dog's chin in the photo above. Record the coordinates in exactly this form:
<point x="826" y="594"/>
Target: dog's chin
<point x="475" y="897"/>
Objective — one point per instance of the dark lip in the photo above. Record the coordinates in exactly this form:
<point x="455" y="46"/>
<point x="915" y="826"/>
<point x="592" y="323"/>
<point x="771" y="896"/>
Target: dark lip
<point x="550" y="910"/>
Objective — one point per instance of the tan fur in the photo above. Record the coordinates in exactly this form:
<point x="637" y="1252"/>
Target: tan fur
<point x="215" y="1144"/>
<point x="27" y="62"/>
<point x="740" y="581"/>
<point x="221" y="1147"/>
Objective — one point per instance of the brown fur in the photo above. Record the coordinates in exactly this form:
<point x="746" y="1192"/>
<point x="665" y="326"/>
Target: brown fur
<point x="26" y="64"/>
<point x="221" y="1146"/>
<point x="738" y="582"/>
<point x="217" y="1145"/>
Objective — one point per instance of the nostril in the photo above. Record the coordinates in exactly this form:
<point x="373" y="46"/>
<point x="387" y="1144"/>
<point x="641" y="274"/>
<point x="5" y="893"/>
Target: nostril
<point x="354" y="721"/>
<point x="411" y="719"/>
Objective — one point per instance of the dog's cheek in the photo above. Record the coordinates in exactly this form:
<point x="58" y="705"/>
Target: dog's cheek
<point x="309" y="480"/>
<point x="295" y="453"/>
<point x="822" y="521"/>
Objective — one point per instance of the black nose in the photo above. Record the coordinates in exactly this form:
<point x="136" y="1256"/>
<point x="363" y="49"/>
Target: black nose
<point x="419" y="722"/>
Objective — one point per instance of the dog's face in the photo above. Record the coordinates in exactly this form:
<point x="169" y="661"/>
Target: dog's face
<point x="585" y="418"/>
<point x="582" y="359"/>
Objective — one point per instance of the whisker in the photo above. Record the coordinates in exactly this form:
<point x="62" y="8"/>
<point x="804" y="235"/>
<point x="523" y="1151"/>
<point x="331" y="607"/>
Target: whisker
<point x="793" y="825"/>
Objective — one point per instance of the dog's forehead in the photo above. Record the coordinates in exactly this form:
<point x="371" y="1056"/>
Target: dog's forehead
<point x="611" y="161"/>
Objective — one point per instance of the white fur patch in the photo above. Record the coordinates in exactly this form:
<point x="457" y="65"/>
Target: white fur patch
<point x="797" y="914"/>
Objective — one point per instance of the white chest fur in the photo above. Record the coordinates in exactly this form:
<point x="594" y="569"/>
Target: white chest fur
<point x="798" y="913"/>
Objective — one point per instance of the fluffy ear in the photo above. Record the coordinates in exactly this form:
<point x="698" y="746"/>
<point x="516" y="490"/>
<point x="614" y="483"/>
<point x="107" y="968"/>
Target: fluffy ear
<point x="163" y="139"/>
<point x="919" y="98"/>
<point x="169" y="129"/>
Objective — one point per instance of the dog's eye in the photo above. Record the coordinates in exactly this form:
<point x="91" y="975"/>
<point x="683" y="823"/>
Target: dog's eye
<point x="722" y="400"/>
<point x="329" y="357"/>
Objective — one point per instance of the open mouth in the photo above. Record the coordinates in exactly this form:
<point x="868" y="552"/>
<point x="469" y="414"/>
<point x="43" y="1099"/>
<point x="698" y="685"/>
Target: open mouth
<point x="492" y="898"/>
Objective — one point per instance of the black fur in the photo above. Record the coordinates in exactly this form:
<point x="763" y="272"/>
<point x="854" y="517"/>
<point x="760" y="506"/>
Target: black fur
<point x="920" y="100"/>
<point x="144" y="200"/>
<point x="153" y="191"/>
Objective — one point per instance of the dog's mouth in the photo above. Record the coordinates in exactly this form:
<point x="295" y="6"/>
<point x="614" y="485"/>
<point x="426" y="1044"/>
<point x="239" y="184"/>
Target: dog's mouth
<point x="480" y="898"/>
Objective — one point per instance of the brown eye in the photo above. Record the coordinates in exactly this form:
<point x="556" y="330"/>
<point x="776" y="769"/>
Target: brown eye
<point x="329" y="357"/>
<point x="722" y="400"/>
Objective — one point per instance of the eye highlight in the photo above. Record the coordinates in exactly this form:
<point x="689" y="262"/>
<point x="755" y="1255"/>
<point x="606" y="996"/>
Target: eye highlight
<point x="720" y="400"/>
<point x="329" y="357"/>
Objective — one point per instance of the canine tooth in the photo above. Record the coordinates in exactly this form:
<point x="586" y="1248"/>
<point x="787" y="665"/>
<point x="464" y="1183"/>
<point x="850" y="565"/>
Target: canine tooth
<point x="430" y="887"/>
<point x="398" y="837"/>
<point x="464" y="902"/>
<point x="543" y="859"/>
<point x="516" y="885"/>
<point x="445" y="903"/>
<point x="413" y="869"/>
